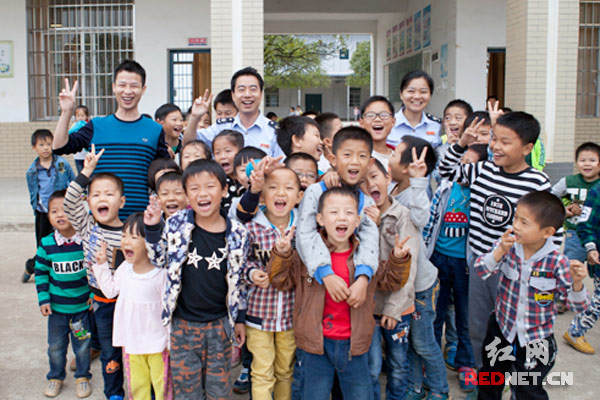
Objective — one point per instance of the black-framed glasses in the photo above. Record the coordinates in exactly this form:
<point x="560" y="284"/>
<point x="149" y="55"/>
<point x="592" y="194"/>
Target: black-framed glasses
<point x="372" y="115"/>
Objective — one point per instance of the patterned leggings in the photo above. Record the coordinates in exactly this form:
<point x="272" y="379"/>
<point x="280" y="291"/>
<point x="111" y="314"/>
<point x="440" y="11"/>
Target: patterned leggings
<point x="148" y="370"/>
<point x="586" y="319"/>
<point x="200" y="359"/>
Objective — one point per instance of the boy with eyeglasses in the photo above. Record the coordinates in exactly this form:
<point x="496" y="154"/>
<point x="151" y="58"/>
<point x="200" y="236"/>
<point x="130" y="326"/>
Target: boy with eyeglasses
<point x="377" y="118"/>
<point x="305" y="166"/>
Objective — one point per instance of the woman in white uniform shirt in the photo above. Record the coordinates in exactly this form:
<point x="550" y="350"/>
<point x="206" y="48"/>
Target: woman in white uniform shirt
<point x="416" y="90"/>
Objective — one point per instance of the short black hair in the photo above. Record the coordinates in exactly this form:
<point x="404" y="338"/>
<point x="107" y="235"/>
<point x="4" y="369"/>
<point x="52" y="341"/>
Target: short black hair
<point x="85" y="109"/>
<point x="523" y="124"/>
<point x="325" y="123"/>
<point x="466" y="107"/>
<point x="169" y="177"/>
<point x="234" y="137"/>
<point x="480" y="149"/>
<point x="210" y="166"/>
<point x="480" y="115"/>
<point x="587" y="146"/>
<point x="310" y="112"/>
<point x="224" y="97"/>
<point x="166" y="109"/>
<point x="158" y="165"/>
<point x="108" y="176"/>
<point x="301" y="156"/>
<point x="130" y="66"/>
<point x="247" y="71"/>
<point x="134" y="224"/>
<point x="416" y="75"/>
<point x="41" y="134"/>
<point x="491" y="96"/>
<point x="339" y="190"/>
<point x="419" y="144"/>
<point x="351" y="133"/>
<point x="59" y="194"/>
<point x="271" y="115"/>
<point x="292" y="126"/>
<point x="246" y="154"/>
<point x="380" y="167"/>
<point x="297" y="180"/>
<point x="375" y="99"/>
<point x="547" y="209"/>
<point x="200" y="143"/>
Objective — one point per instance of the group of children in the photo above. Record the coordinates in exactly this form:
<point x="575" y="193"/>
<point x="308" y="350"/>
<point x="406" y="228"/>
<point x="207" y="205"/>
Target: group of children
<point x="322" y="267"/>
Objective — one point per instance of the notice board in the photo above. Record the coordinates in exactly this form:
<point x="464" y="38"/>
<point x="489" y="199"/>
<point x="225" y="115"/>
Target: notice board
<point x="396" y="72"/>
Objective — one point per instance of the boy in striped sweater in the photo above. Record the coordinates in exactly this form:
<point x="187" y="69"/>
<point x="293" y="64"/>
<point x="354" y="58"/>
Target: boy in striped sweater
<point x="64" y="297"/>
<point x="105" y="200"/>
<point x="496" y="186"/>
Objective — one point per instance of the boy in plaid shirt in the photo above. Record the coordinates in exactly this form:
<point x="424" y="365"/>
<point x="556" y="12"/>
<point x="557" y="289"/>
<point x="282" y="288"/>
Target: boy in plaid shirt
<point x="270" y="337"/>
<point x="533" y="272"/>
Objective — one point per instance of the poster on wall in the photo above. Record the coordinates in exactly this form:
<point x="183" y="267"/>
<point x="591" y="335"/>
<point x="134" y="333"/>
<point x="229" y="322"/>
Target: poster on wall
<point x="427" y="26"/>
<point x="6" y="59"/>
<point x="408" y="35"/>
<point x="401" y="46"/>
<point x="395" y="41"/>
<point x="444" y="61"/>
<point x="388" y="52"/>
<point x="417" y="31"/>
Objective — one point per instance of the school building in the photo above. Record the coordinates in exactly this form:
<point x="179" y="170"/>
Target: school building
<point x="540" y="56"/>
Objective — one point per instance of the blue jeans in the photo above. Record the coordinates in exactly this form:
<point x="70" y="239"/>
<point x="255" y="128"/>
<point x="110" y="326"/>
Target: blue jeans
<point x="454" y="280"/>
<point x="423" y="350"/>
<point x="573" y="248"/>
<point x="450" y="324"/>
<point x="585" y="320"/>
<point x="298" y="382"/>
<point x="396" y="346"/>
<point x="110" y="357"/>
<point x="60" y="327"/>
<point x="318" y="370"/>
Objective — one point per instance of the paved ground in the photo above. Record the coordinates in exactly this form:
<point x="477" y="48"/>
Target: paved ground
<point x="23" y="329"/>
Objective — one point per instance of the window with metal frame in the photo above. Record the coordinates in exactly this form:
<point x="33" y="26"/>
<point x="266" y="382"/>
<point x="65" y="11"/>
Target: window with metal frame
<point x="588" y="71"/>
<point x="271" y="97"/>
<point x="83" y="40"/>
<point x="354" y="97"/>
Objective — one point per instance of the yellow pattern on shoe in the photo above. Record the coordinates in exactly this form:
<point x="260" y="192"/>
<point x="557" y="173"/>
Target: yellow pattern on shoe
<point x="579" y="344"/>
<point x="53" y="388"/>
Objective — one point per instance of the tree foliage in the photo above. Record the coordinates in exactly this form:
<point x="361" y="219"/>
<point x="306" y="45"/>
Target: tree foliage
<point x="292" y="62"/>
<point x="360" y="63"/>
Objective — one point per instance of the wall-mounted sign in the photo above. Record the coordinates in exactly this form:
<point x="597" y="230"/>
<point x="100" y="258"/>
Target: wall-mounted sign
<point x="197" y="41"/>
<point x="6" y="59"/>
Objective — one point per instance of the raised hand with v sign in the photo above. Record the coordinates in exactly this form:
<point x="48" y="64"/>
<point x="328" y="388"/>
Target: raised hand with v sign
<point x="418" y="168"/>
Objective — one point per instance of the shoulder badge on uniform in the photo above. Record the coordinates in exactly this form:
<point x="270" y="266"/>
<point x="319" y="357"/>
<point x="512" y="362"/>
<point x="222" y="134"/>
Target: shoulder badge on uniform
<point x="273" y="124"/>
<point x="433" y="118"/>
<point x="224" y="120"/>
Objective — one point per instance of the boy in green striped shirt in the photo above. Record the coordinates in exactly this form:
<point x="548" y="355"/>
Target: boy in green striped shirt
<point x="64" y="297"/>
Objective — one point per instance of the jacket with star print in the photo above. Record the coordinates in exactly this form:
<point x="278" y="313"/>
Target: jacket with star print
<point x="168" y="248"/>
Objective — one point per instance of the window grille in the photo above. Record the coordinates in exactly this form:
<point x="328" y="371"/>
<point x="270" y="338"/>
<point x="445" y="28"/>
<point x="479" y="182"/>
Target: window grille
<point x="271" y="97"/>
<point x="354" y="97"/>
<point x="588" y="73"/>
<point x="83" y="40"/>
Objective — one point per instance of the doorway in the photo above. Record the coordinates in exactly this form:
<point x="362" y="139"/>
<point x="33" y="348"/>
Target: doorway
<point x="189" y="76"/>
<point x="313" y="102"/>
<point x="496" y="73"/>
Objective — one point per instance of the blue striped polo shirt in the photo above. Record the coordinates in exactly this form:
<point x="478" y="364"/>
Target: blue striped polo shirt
<point x="130" y="147"/>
